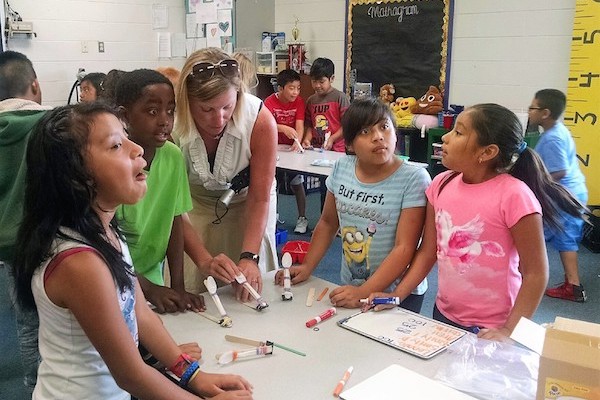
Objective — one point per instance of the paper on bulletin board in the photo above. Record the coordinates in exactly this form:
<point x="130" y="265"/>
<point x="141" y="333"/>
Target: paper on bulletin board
<point x="160" y="16"/>
<point x="206" y="13"/>
<point x="225" y="4"/>
<point x="195" y="44"/>
<point x="164" y="44"/>
<point x="190" y="5"/>
<point x="224" y="20"/>
<point x="178" y="45"/>
<point x="213" y="35"/>
<point x="192" y="28"/>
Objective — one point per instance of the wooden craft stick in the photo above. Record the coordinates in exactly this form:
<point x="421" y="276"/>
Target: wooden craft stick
<point x="322" y="294"/>
<point x="256" y="343"/>
<point x="310" y="297"/>
<point x="237" y="339"/>
<point x="208" y="316"/>
<point x="250" y="304"/>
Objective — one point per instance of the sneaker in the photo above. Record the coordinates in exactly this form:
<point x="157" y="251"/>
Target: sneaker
<point x="301" y="225"/>
<point x="567" y="291"/>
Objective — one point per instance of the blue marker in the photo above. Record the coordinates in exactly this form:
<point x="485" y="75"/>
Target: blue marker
<point x="386" y="300"/>
<point x="475" y="330"/>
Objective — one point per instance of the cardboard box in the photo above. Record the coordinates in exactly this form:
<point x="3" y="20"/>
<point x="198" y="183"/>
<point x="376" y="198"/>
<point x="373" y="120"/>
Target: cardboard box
<point x="570" y="361"/>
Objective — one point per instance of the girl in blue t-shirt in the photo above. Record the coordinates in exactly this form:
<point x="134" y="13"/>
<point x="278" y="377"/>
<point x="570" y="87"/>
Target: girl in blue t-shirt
<point x="377" y="201"/>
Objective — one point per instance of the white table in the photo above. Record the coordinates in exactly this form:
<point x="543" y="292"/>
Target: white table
<point x="301" y="162"/>
<point x="284" y="375"/>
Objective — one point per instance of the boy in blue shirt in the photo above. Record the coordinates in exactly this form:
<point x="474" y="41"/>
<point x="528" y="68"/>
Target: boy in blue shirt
<point x="557" y="149"/>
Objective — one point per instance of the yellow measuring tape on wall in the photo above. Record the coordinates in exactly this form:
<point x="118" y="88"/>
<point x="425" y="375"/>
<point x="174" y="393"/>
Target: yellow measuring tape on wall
<point x="582" y="115"/>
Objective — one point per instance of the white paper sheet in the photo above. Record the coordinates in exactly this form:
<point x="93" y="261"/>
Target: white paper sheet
<point x="396" y="382"/>
<point x="192" y="28"/>
<point x="529" y="334"/>
<point x="206" y="13"/>
<point x="223" y="4"/>
<point x="213" y="35"/>
<point x="224" y="19"/>
<point x="178" y="46"/>
<point x="160" y="16"/>
<point x="164" y="44"/>
<point x="195" y="44"/>
<point x="191" y="5"/>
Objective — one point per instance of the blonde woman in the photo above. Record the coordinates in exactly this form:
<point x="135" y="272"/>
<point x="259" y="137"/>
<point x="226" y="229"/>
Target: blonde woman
<point x="247" y="72"/>
<point x="222" y="130"/>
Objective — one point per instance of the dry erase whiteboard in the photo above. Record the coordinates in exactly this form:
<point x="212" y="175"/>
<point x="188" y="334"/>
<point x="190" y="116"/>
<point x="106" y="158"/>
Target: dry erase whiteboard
<point x="404" y="330"/>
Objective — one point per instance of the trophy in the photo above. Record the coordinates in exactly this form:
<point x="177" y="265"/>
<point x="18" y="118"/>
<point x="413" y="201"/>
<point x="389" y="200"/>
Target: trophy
<point x="295" y="30"/>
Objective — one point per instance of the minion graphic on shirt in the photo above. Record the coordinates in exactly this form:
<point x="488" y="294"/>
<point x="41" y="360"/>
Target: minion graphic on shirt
<point x="321" y="125"/>
<point x="356" y="246"/>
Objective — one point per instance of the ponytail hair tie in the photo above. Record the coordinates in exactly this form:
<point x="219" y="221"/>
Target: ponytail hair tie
<point x="522" y="147"/>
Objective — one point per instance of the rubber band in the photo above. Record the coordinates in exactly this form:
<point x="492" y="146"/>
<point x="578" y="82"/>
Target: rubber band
<point x="194" y="375"/>
<point x="187" y="375"/>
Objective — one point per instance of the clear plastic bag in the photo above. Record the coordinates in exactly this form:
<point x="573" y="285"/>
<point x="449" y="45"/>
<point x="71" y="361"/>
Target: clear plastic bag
<point x="490" y="370"/>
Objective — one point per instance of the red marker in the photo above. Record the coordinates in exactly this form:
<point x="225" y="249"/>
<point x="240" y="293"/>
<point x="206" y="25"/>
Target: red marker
<point x="327" y="314"/>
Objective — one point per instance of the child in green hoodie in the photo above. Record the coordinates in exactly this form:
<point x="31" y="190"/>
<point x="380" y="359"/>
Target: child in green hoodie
<point x="20" y="110"/>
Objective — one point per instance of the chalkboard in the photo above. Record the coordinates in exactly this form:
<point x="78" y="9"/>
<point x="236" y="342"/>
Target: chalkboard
<point x="403" y="42"/>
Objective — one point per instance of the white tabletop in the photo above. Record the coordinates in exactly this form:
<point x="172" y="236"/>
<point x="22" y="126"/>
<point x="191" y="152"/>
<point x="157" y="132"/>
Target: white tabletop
<point x="330" y="350"/>
<point x="301" y="162"/>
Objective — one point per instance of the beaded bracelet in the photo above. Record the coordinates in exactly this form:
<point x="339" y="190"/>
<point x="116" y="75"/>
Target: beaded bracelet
<point x="181" y="364"/>
<point x="188" y="374"/>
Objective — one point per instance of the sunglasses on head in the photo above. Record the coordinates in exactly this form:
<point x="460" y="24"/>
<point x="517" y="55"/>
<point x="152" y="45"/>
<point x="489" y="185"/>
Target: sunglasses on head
<point x="205" y="70"/>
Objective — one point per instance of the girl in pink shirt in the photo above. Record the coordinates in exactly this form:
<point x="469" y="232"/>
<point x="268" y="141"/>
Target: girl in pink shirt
<point x="484" y="225"/>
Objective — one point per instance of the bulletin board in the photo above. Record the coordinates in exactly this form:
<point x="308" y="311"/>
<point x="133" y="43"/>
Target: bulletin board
<point x="210" y="23"/>
<point x="403" y="42"/>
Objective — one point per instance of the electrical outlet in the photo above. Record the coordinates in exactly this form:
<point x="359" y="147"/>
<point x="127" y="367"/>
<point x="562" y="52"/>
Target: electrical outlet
<point x="84" y="47"/>
<point x="100" y="47"/>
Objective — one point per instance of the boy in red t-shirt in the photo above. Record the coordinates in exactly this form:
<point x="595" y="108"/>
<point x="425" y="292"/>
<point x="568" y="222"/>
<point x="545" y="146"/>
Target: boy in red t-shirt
<point x="324" y="109"/>
<point x="288" y="109"/>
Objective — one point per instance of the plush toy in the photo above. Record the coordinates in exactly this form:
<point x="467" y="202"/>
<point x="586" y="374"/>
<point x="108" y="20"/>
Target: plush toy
<point x="401" y="110"/>
<point x="424" y="120"/>
<point x="386" y="93"/>
<point x="430" y="103"/>
<point x="404" y="105"/>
